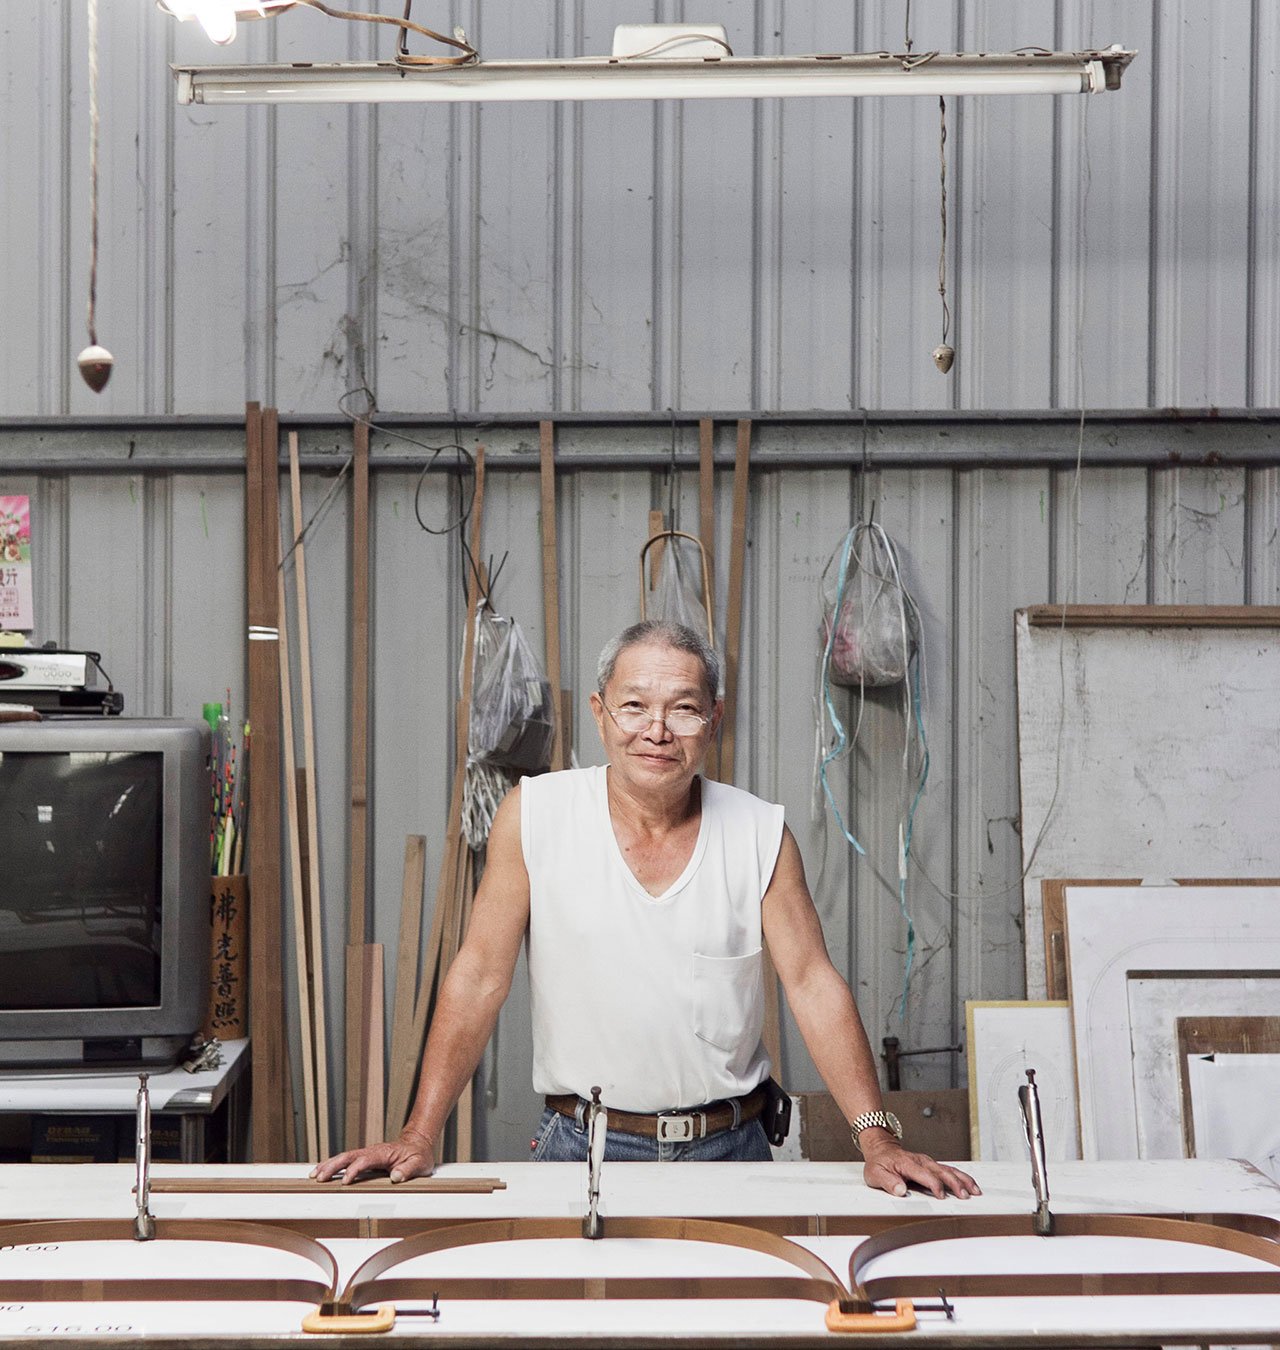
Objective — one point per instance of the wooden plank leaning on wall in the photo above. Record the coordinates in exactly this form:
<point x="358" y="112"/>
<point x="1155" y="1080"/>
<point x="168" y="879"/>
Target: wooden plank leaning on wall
<point x="271" y="1117"/>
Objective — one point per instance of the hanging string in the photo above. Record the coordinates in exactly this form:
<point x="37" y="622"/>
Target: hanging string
<point x="93" y="172"/>
<point x="907" y="28"/>
<point x="943" y="354"/>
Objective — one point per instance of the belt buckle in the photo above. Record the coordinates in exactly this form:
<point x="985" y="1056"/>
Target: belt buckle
<point x="680" y="1129"/>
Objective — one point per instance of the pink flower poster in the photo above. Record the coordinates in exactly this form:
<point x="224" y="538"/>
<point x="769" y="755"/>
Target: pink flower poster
<point x="15" y="563"/>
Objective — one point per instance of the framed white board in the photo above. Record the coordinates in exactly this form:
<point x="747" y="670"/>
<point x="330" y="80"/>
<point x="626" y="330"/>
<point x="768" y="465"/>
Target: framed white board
<point x="1148" y="746"/>
<point x="1116" y="932"/>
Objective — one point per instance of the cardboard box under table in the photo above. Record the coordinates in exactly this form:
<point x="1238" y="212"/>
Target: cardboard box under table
<point x="823" y="1207"/>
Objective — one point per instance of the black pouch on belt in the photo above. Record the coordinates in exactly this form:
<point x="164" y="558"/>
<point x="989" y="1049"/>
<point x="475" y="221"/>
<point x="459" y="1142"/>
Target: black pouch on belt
<point x="776" y="1117"/>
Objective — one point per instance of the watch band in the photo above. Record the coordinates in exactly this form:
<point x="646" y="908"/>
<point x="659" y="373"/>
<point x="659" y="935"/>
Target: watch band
<point x="885" y="1120"/>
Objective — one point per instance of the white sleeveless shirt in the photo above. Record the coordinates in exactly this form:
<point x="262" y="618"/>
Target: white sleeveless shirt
<point x="657" y="1000"/>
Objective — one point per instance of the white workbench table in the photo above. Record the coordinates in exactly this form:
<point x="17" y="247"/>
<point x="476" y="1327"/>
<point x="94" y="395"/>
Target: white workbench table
<point x="824" y="1205"/>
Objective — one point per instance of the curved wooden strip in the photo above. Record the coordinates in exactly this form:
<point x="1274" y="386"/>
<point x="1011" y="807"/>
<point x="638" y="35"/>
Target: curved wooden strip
<point x="35" y="1232"/>
<point x="1246" y="1235"/>
<point x="365" y="1287"/>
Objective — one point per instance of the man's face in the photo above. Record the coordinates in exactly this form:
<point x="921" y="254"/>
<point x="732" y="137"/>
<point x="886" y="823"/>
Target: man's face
<point x="661" y="680"/>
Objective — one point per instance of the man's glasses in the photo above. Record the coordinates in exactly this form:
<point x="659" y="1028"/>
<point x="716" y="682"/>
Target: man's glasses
<point x="633" y="718"/>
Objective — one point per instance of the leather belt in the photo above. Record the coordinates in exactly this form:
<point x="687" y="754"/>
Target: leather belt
<point x="673" y="1127"/>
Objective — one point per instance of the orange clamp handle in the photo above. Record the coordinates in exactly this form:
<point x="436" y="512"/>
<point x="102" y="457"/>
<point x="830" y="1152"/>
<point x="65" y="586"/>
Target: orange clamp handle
<point x="902" y="1318"/>
<point x="351" y="1324"/>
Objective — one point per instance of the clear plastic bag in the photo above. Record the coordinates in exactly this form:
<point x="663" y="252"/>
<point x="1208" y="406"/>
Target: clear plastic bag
<point x="679" y="593"/>
<point x="873" y="616"/>
<point x="512" y="710"/>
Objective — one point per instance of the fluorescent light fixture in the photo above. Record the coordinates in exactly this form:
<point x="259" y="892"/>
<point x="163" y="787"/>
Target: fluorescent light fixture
<point x="834" y="76"/>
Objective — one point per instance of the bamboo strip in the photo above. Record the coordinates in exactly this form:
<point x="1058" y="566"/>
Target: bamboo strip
<point x="305" y="1004"/>
<point x="315" y="923"/>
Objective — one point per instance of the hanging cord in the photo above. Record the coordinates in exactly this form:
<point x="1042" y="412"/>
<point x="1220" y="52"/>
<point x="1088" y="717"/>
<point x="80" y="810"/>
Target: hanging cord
<point x="406" y="26"/>
<point x="93" y="171"/>
<point x="906" y="37"/>
<point x="366" y="418"/>
<point x="942" y="211"/>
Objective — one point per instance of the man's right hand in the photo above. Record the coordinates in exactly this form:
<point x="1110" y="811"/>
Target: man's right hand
<point x="412" y="1155"/>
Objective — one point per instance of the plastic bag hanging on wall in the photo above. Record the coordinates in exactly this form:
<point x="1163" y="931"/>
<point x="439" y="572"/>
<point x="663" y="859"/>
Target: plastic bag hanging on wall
<point x="512" y="710"/>
<point x="680" y="593"/>
<point x="864" y="601"/>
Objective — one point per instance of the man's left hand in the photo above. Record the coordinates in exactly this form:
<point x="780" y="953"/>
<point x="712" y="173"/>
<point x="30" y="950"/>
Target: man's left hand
<point x="890" y="1167"/>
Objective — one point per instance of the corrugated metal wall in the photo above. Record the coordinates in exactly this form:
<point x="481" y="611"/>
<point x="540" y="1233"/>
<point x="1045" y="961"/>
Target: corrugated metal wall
<point x="777" y="255"/>
<point x="1121" y="250"/>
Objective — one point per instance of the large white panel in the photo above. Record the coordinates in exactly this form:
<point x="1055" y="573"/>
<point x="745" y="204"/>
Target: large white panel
<point x="1200" y="207"/>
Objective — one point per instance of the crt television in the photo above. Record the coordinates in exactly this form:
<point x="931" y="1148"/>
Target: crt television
<point x="104" y="890"/>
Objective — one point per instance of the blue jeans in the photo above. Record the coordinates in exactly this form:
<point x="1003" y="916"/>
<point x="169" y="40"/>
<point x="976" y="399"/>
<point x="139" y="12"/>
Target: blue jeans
<point x="561" y="1139"/>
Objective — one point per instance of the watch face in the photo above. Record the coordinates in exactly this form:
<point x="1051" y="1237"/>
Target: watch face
<point x="894" y="1124"/>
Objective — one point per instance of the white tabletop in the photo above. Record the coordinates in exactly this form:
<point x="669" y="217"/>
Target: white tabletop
<point x="725" y="1190"/>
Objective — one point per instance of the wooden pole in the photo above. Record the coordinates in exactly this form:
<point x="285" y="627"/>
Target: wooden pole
<point x="551" y="580"/>
<point x="733" y="619"/>
<point x="312" y="892"/>
<point x="360" y="1053"/>
<point x="272" y="1111"/>
<point x="407" y="943"/>
<point x="707" y="532"/>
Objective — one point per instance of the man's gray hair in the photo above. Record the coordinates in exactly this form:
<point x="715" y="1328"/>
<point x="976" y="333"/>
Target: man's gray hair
<point x="664" y="633"/>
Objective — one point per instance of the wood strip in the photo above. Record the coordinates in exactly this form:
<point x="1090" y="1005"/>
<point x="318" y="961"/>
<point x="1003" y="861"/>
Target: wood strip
<point x="733" y="619"/>
<point x="357" y="1086"/>
<point x="373" y="1039"/>
<point x="404" y="1072"/>
<point x="464" y="1112"/>
<point x="551" y="576"/>
<point x="306" y="1016"/>
<point x="1154" y="616"/>
<point x="311" y="813"/>
<point x="408" y="941"/>
<point x="305" y="1186"/>
<point x="657" y="525"/>
<point x="1053" y="905"/>
<point x="707" y="499"/>
<point x="707" y="533"/>
<point x="271" y="1111"/>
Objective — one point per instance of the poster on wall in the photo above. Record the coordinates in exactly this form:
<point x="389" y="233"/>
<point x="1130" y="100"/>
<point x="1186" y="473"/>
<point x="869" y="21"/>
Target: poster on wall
<point x="16" y="609"/>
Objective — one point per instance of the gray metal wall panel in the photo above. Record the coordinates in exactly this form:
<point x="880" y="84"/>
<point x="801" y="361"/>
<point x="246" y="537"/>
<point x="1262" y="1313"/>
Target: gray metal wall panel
<point x="1200" y="216"/>
<point x="780" y="254"/>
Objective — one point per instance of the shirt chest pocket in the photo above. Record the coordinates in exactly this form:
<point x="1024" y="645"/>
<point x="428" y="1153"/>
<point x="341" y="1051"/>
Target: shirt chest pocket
<point x="728" y="1000"/>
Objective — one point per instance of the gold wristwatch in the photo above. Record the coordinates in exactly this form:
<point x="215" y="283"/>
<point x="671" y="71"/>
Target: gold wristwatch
<point x="886" y="1120"/>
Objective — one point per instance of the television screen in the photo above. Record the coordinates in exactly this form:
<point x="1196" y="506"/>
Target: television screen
<point x="104" y="890"/>
<point x="80" y="892"/>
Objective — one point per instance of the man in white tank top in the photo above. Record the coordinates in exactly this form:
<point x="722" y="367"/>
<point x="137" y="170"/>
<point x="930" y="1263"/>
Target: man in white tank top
<point x="664" y="886"/>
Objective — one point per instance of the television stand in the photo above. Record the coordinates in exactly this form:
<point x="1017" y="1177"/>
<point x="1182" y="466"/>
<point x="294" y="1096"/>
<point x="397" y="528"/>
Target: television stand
<point x="107" y="1100"/>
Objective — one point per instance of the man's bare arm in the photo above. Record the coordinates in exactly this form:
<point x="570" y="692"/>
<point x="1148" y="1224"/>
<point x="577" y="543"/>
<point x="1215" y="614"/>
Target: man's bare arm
<point x="466" y="1010"/>
<point x="828" y="1019"/>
